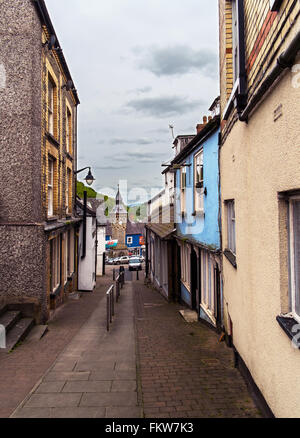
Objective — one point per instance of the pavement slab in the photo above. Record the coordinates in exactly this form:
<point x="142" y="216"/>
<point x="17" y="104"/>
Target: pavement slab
<point x="151" y="364"/>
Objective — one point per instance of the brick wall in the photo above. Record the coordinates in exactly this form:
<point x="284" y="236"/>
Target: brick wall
<point x="265" y="38"/>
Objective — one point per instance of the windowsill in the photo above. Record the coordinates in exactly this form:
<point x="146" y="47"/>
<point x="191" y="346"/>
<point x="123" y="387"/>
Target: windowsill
<point x="56" y="292"/>
<point x="287" y="325"/>
<point x="52" y="218"/>
<point x="52" y="139"/>
<point x="199" y="213"/>
<point x="230" y="257"/>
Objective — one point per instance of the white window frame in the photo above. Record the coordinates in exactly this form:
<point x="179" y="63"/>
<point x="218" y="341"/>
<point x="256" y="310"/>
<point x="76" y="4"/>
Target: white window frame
<point x="51" y="162"/>
<point x="183" y="182"/>
<point x="50" y="104"/>
<point x="294" y="277"/>
<point x="231" y="226"/>
<point x="199" y="185"/>
<point x="68" y="183"/>
<point x="185" y="253"/>
<point x="208" y="284"/>
<point x="56" y="263"/>
<point x="71" y="262"/>
<point x="129" y="240"/>
<point x="68" y="130"/>
<point x="66" y="240"/>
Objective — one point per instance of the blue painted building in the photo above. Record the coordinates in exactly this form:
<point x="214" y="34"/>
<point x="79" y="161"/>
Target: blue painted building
<point x="198" y="222"/>
<point x="134" y="237"/>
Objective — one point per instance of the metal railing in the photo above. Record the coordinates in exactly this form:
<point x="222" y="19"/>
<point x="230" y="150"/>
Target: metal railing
<point x="111" y="296"/>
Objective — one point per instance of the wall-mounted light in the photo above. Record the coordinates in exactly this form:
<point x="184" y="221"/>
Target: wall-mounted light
<point x="89" y="179"/>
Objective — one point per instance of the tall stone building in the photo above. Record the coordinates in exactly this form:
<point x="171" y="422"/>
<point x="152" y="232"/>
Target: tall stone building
<point x="118" y="220"/>
<point x="38" y="142"/>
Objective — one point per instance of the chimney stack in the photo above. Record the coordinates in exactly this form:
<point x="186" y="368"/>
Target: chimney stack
<point x="201" y="126"/>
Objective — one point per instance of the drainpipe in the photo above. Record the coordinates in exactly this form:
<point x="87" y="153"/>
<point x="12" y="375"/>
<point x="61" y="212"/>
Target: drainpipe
<point x="147" y="254"/>
<point x="284" y="61"/>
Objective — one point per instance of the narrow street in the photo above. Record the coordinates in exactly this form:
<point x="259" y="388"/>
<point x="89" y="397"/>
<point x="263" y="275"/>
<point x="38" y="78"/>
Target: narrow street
<point x="151" y="364"/>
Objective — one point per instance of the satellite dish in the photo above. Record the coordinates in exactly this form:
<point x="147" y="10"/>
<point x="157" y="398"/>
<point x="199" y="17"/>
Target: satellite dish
<point x="51" y="42"/>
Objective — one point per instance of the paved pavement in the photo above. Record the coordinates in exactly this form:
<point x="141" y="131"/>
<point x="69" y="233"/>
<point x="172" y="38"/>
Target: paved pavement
<point x="151" y="364"/>
<point x="95" y="377"/>
<point x="184" y="370"/>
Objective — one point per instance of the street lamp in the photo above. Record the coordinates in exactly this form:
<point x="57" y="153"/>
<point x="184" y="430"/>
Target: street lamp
<point x="89" y="179"/>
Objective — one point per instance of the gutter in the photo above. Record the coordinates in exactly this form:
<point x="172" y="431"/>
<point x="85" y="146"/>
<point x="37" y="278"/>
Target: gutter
<point x="284" y="61"/>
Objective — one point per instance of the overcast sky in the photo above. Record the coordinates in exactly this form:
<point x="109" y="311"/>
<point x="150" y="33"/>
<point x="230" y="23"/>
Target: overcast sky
<point x="138" y="66"/>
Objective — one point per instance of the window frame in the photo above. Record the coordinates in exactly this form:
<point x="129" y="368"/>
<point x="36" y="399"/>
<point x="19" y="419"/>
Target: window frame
<point x="129" y="240"/>
<point x="292" y="266"/>
<point x="199" y="185"/>
<point x="231" y="229"/>
<point x="51" y="104"/>
<point x="69" y="131"/>
<point x="55" y="263"/>
<point x="50" y="186"/>
<point x="183" y="186"/>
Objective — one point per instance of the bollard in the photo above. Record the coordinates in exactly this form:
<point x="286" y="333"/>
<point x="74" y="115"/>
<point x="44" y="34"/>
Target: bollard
<point x="113" y="300"/>
<point x="137" y="275"/>
<point x="114" y="274"/>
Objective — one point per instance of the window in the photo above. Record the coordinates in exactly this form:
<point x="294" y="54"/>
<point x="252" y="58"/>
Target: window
<point x="231" y="236"/>
<point x="199" y="183"/>
<point x="71" y="254"/>
<point x="55" y="263"/>
<point x="69" y="132"/>
<point x="295" y="256"/>
<point x="50" y="187"/>
<point x="51" y="93"/>
<point x="183" y="189"/>
<point x="275" y="5"/>
<point x="208" y="284"/>
<point x="68" y="191"/>
<point x="129" y="240"/>
<point x="66" y="261"/>
<point x="186" y="265"/>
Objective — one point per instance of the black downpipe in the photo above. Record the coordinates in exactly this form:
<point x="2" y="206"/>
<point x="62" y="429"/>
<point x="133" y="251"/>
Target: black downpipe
<point x="147" y="254"/>
<point x="284" y="61"/>
<point x="84" y="225"/>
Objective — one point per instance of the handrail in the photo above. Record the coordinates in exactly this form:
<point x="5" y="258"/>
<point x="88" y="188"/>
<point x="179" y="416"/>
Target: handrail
<point x="110" y="298"/>
<point x="110" y="308"/>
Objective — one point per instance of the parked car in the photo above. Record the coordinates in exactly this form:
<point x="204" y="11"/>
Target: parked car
<point x="109" y="261"/>
<point x="142" y="259"/>
<point x="135" y="264"/>
<point x="124" y="260"/>
<point x="116" y="261"/>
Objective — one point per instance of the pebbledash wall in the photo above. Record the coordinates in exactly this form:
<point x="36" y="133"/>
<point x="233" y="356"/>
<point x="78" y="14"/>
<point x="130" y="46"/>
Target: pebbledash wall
<point x="24" y="227"/>
<point x="22" y="242"/>
<point x="259" y="160"/>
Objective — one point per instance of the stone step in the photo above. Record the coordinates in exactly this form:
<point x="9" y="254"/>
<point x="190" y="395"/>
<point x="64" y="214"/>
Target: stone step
<point x="18" y="333"/>
<point x="37" y="333"/>
<point x="9" y="319"/>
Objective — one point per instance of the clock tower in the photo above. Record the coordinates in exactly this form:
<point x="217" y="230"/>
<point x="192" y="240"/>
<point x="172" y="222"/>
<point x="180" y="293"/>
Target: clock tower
<point x="118" y="219"/>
